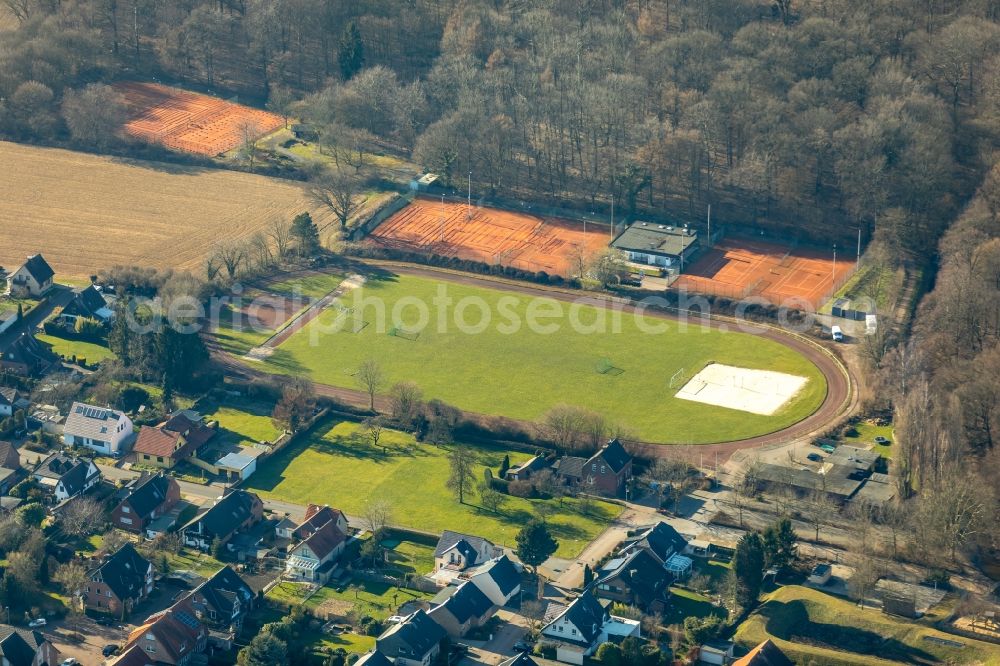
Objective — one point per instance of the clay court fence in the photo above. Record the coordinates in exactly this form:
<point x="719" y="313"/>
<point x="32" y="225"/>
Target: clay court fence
<point x="537" y="210"/>
<point x="380" y="215"/>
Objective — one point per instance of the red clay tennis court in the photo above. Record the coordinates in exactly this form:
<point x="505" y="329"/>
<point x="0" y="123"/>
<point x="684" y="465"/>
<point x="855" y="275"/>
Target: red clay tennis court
<point x="187" y="121"/>
<point x="778" y="274"/>
<point x="490" y="235"/>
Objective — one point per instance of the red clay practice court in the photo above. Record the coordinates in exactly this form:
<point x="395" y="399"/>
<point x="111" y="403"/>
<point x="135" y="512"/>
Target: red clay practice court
<point x="778" y="274"/>
<point x="187" y="121"/>
<point x="490" y="235"/>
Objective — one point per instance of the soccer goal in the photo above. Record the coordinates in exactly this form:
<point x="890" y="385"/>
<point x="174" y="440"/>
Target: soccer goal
<point x="606" y="367"/>
<point x="400" y="332"/>
<point x="677" y="379"/>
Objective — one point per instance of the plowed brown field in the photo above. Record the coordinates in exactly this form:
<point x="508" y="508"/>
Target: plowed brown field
<point x="87" y="212"/>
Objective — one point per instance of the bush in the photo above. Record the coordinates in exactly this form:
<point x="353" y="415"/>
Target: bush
<point x="520" y="488"/>
<point x="609" y="654"/>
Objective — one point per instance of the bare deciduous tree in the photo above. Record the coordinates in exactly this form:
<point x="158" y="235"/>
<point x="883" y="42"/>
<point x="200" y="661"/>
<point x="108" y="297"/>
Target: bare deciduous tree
<point x="371" y="378"/>
<point x="83" y="515"/>
<point x="377" y="515"/>
<point x="338" y="192"/>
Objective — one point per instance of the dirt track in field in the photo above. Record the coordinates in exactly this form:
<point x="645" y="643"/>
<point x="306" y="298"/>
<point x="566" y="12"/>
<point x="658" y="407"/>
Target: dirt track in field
<point x="839" y="397"/>
<point x="88" y="212"/>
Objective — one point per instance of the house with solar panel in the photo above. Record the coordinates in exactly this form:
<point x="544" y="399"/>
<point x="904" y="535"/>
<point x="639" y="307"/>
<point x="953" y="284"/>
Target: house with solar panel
<point x="106" y="431"/>
<point x="172" y="636"/>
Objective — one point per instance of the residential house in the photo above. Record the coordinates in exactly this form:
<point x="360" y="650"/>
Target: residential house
<point x="172" y="441"/>
<point x="609" y="470"/>
<point x="527" y="469"/>
<point x="172" y="636"/>
<point x="66" y="477"/>
<point x="716" y="653"/>
<point x="11" y="401"/>
<point x="416" y="641"/>
<point x="606" y="472"/>
<point x="665" y="544"/>
<point x="132" y="656"/>
<point x="234" y="512"/>
<point x="32" y="279"/>
<point x="315" y="557"/>
<point x="661" y="540"/>
<point x="579" y="629"/>
<point x="373" y="658"/>
<point x="765" y="654"/>
<point x="120" y="583"/>
<point x="87" y="303"/>
<point x="25" y="647"/>
<point x="637" y="579"/>
<point x="499" y="580"/>
<point x="316" y="517"/>
<point x="460" y="551"/>
<point x="22" y="354"/>
<point x="11" y="472"/>
<point x="151" y="497"/>
<point x="465" y="608"/>
<point x="284" y="528"/>
<point x="103" y="430"/>
<point x="222" y="602"/>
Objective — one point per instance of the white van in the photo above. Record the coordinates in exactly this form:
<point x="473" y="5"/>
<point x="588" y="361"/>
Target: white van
<point x="837" y="334"/>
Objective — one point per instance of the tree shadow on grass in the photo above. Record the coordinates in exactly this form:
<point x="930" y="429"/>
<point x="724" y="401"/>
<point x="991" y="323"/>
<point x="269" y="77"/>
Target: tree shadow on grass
<point x="790" y="621"/>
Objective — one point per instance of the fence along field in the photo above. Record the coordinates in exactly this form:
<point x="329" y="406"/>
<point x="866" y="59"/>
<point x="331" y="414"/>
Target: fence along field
<point x="490" y="235"/>
<point x="87" y="212"/>
<point x="187" y="121"/>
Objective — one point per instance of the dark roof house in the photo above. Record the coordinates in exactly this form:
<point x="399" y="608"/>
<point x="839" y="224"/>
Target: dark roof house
<point x="638" y="579"/>
<point x="413" y="640"/>
<point x="232" y="513"/>
<point x="88" y="303"/>
<point x="150" y="498"/>
<point x="25" y="647"/>
<point x="661" y="540"/>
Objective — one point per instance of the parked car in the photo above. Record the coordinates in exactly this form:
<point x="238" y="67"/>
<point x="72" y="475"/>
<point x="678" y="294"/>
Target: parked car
<point x="828" y="448"/>
<point x="882" y="440"/>
<point x="38" y="622"/>
<point x="815" y="457"/>
<point x="70" y="661"/>
<point x="110" y="650"/>
<point x="836" y="334"/>
<point x="522" y="646"/>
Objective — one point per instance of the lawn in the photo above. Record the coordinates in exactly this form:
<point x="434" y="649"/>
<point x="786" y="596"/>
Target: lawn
<point x="237" y="341"/>
<point x="313" y="286"/>
<point x="379" y="600"/>
<point x="685" y="603"/>
<point x="409" y="556"/>
<point x="521" y="370"/>
<point x="867" y="433"/>
<point x="81" y="349"/>
<point x="202" y="564"/>
<point x="336" y="465"/>
<point x="249" y="422"/>
<point x="815" y="628"/>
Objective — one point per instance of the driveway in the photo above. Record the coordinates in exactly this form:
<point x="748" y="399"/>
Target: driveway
<point x="634" y="516"/>
<point x="95" y="638"/>
<point x="512" y="629"/>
